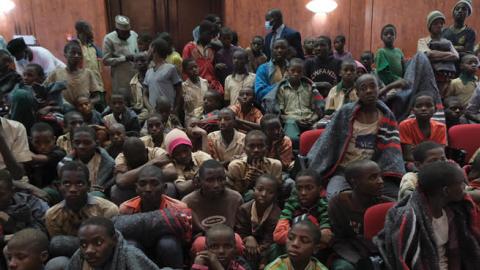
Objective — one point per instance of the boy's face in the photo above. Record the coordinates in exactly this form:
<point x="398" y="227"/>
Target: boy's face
<point x="226" y="40"/>
<point x="150" y="188"/>
<point x="226" y="121"/>
<point x="423" y="108"/>
<point x="367" y="91"/>
<point x="300" y="244"/>
<point x="43" y="142"/>
<point x="388" y="36"/>
<point x="460" y="12"/>
<point x="432" y="155"/>
<point x="369" y="181"/>
<point x="212" y="182"/>
<point x="280" y="49"/>
<point x="308" y="191"/>
<point x="265" y="191"/>
<point x="135" y="157"/>
<point x="74" y="187"/>
<point x="437" y="26"/>
<point x="255" y="147"/>
<point x="84" y="106"/>
<point x="222" y="244"/>
<point x="96" y="245"/>
<point x="155" y="127"/>
<point x="210" y="102"/>
<point x="245" y="97"/>
<point x="338" y="44"/>
<point x="117" y="135"/>
<point x="456" y="192"/>
<point x="308" y="45"/>
<point x="453" y="109"/>
<point x="274" y="130"/>
<point x="192" y="69"/>
<point x="348" y="73"/>
<point x="239" y="59"/>
<point x="182" y="154"/>
<point x="84" y="145"/>
<point x="143" y="46"/>
<point x="74" y="56"/>
<point x="295" y="73"/>
<point x="321" y="49"/>
<point x="6" y="194"/>
<point x="30" y="76"/>
<point x="257" y="44"/>
<point x="366" y="60"/>
<point x="5" y="64"/>
<point x="117" y="104"/>
<point x="74" y="122"/>
<point x="24" y="258"/>
<point x="470" y="65"/>
<point x="141" y="62"/>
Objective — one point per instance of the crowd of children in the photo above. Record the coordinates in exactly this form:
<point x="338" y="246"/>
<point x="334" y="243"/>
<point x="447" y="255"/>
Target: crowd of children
<point x="191" y="161"/>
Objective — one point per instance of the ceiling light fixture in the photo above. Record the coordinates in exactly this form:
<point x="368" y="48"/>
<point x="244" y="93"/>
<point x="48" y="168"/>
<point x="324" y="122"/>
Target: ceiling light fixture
<point x="322" y="6"/>
<point x="6" y="6"/>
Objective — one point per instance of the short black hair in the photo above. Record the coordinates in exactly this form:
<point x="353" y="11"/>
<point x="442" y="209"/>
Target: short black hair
<point x="212" y="17"/>
<point x="311" y="173"/>
<point x="106" y="223"/>
<point x="206" y="26"/>
<point x="152" y="170"/>
<point x="85" y="129"/>
<point x="349" y="62"/>
<point x="38" y="69"/>
<point x="341" y="38"/>
<point x="167" y="37"/>
<point x="6" y="177"/>
<point x="208" y="164"/>
<point x="388" y="26"/>
<point x="421" y="94"/>
<point x="187" y="62"/>
<point x="281" y="40"/>
<point x="369" y="53"/>
<point x="220" y="228"/>
<point x="82" y="26"/>
<point x="31" y="238"/>
<point x="437" y="175"/>
<point x="267" y="118"/>
<point x="297" y="61"/>
<point x="161" y="47"/>
<point x="270" y="178"/>
<point x="355" y="167"/>
<point x="42" y="127"/>
<point x="145" y="38"/>
<point x="225" y="31"/>
<point x="449" y="99"/>
<point x="16" y="45"/>
<point x="276" y="13"/>
<point x="420" y="150"/>
<point x="69" y="115"/>
<point x="327" y="39"/>
<point x="315" y="232"/>
<point x="75" y="166"/>
<point x="162" y="103"/>
<point x="253" y="133"/>
<point x="71" y="44"/>
<point x="258" y="37"/>
<point x="466" y="56"/>
<point x="228" y="110"/>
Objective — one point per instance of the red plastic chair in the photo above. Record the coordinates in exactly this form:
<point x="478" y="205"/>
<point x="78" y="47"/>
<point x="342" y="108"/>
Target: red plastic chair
<point x="374" y="219"/>
<point x="307" y="139"/>
<point x="465" y="137"/>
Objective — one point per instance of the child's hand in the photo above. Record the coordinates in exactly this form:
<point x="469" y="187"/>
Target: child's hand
<point x="202" y="258"/>
<point x="251" y="246"/>
<point x="220" y="66"/>
<point x="4" y="217"/>
<point x="327" y="236"/>
<point x="161" y="161"/>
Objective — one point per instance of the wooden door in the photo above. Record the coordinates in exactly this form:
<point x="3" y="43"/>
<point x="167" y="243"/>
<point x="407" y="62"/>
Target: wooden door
<point x="178" y="17"/>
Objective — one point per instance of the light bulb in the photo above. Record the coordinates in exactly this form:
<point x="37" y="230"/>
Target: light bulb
<point x="321" y="6"/>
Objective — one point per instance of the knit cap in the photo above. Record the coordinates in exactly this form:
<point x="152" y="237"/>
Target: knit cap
<point x="468" y="3"/>
<point x="175" y="138"/>
<point x="432" y="16"/>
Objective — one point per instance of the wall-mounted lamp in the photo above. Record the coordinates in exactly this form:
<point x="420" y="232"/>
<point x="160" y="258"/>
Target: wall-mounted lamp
<point x="321" y="6"/>
<point x="6" y="6"/>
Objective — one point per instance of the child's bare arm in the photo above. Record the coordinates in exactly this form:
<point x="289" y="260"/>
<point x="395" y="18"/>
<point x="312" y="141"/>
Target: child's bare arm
<point x="39" y="158"/>
<point x="247" y="125"/>
<point x="145" y="99"/>
<point x="407" y="152"/>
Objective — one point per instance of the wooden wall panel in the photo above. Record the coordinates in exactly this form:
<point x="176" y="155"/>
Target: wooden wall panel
<point x="360" y="20"/>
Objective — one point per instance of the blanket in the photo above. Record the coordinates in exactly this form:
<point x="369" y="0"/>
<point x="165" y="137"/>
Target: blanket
<point x="328" y="151"/>
<point x="407" y="240"/>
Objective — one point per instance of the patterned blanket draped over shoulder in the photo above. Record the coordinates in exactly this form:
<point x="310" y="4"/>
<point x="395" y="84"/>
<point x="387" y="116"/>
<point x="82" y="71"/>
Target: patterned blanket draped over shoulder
<point x="124" y="257"/>
<point x="407" y="240"/>
<point x="328" y="151"/>
<point x="421" y="78"/>
<point x="147" y="228"/>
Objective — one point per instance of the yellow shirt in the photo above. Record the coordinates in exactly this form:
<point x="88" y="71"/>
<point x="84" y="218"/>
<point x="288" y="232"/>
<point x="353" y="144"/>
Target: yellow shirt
<point x="222" y="152"/>
<point x="236" y="82"/>
<point x="463" y="91"/>
<point x="193" y="97"/>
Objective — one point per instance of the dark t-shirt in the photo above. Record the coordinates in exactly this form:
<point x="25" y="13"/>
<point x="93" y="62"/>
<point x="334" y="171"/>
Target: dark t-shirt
<point x="464" y="38"/>
<point x="207" y="212"/>
<point x="346" y="219"/>
<point x="43" y="174"/>
<point x="323" y="70"/>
